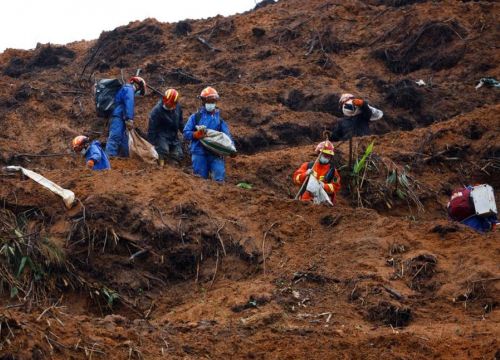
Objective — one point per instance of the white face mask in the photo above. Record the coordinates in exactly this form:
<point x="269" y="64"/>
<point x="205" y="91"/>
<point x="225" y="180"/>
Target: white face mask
<point x="323" y="160"/>
<point x="83" y="152"/>
<point x="210" y="107"/>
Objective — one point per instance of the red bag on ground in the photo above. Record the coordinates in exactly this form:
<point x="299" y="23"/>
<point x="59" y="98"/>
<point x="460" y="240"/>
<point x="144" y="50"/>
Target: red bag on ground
<point x="461" y="206"/>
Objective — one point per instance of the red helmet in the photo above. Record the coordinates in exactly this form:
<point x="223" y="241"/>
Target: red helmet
<point x="170" y="98"/>
<point x="209" y="93"/>
<point x="140" y="83"/>
<point x="79" y="143"/>
<point x="326" y="147"/>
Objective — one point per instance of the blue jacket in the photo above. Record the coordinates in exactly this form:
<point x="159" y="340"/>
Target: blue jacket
<point x="211" y="121"/>
<point x="96" y="153"/>
<point x="124" y="103"/>
<point x="166" y="122"/>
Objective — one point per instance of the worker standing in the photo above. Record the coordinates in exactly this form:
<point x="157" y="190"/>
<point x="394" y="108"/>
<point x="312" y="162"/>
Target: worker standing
<point x="123" y="116"/>
<point x="165" y="122"/>
<point x="208" y="116"/>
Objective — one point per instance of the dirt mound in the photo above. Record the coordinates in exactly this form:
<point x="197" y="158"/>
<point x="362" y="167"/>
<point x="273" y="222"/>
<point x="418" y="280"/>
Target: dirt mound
<point x="121" y="46"/>
<point x="45" y="56"/>
<point x="434" y="45"/>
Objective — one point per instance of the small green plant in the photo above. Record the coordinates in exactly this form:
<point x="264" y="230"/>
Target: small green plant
<point x="110" y="296"/>
<point x="30" y="265"/>
<point x="358" y="173"/>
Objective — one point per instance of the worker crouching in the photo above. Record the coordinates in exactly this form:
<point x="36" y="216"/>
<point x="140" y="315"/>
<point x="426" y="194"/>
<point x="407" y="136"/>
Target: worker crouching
<point x="322" y="171"/>
<point x="95" y="157"/>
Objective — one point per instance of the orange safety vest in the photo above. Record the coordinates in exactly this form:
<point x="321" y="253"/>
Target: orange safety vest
<point x="324" y="173"/>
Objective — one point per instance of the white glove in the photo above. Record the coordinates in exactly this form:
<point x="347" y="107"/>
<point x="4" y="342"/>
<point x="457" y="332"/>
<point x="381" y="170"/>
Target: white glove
<point x="308" y="172"/>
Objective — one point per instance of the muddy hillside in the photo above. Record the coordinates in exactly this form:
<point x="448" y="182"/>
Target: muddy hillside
<point x="156" y="263"/>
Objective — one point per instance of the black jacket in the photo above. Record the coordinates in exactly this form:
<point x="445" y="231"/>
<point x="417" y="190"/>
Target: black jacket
<point x="165" y="122"/>
<point x="358" y="125"/>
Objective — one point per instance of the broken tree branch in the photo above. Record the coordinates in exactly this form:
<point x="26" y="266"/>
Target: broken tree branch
<point x="207" y="44"/>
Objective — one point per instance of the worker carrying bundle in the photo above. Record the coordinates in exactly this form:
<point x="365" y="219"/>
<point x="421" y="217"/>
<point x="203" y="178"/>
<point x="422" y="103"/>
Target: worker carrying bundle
<point x="210" y="138"/>
<point x="319" y="180"/>
<point x="475" y="207"/>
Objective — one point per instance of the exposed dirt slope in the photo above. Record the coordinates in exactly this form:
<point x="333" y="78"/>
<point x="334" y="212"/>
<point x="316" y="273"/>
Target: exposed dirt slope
<point x="157" y="263"/>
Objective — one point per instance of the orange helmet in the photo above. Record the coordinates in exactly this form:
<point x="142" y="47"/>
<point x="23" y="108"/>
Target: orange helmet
<point x="140" y="83"/>
<point x="79" y="143"/>
<point x="326" y="147"/>
<point x="170" y="98"/>
<point x="209" y="93"/>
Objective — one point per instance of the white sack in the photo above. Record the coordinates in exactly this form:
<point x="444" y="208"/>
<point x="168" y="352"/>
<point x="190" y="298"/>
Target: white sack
<point x="68" y="196"/>
<point x="218" y="142"/>
<point x="140" y="148"/>
<point x="316" y="189"/>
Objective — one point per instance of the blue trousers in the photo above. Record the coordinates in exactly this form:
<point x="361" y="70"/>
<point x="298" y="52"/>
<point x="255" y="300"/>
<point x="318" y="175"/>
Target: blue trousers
<point x="203" y="165"/>
<point x="117" y="144"/>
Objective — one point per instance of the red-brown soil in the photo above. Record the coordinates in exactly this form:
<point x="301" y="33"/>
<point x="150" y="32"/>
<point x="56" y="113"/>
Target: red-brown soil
<point x="236" y="273"/>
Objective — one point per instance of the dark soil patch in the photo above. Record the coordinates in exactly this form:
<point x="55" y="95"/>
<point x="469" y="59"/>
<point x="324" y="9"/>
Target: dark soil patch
<point x="419" y="271"/>
<point x="442" y="230"/>
<point x="434" y="45"/>
<point x="182" y="28"/>
<point x="15" y="68"/>
<point x="51" y="56"/>
<point x="23" y="92"/>
<point x="404" y="94"/>
<point x="252" y="143"/>
<point x="330" y="220"/>
<point x="116" y="47"/>
<point x="399" y="3"/>
<point x="264" y="54"/>
<point x="390" y="314"/>
<point x="258" y="32"/>
<point x="480" y="296"/>
<point x="264" y="3"/>
<point x="182" y="77"/>
<point x="290" y="133"/>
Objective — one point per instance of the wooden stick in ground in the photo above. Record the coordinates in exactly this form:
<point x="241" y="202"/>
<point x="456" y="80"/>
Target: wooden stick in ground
<point x="303" y="187"/>
<point x="264" y="247"/>
<point x="350" y="153"/>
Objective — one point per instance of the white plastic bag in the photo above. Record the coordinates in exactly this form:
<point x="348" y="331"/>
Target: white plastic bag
<point x="376" y="113"/>
<point x="68" y="196"/>
<point x="319" y="194"/>
<point x="140" y="148"/>
<point x="218" y="142"/>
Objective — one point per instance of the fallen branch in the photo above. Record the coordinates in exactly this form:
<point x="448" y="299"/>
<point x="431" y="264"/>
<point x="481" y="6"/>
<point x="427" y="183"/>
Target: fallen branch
<point x="263" y="247"/>
<point x="488" y="279"/>
<point x="216" y="267"/>
<point x="207" y="44"/>
<point x="41" y="155"/>
<point x="394" y="293"/>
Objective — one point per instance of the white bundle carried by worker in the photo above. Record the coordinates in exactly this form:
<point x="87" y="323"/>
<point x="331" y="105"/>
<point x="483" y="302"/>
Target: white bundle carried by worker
<point x="217" y="141"/>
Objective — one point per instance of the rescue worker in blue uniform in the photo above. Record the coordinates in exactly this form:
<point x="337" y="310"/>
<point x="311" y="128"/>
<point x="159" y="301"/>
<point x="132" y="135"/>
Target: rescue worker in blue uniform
<point x="123" y="116"/>
<point x="95" y="157"/>
<point x="165" y="122"/>
<point x="208" y="116"/>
